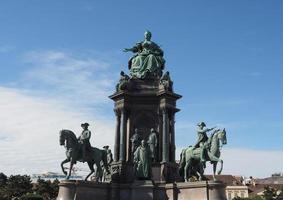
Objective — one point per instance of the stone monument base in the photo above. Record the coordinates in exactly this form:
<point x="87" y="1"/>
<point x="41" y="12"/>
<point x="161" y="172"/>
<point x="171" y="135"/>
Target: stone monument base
<point x="141" y="190"/>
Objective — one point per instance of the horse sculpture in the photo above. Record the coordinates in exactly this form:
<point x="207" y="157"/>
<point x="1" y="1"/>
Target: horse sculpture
<point x="74" y="154"/>
<point x="190" y="157"/>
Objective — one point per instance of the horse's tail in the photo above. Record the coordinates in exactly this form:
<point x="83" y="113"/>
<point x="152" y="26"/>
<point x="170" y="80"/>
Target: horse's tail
<point x="182" y="161"/>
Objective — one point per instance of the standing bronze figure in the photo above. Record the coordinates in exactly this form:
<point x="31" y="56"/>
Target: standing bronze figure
<point x="136" y="140"/>
<point x="152" y="143"/>
<point x="142" y="161"/>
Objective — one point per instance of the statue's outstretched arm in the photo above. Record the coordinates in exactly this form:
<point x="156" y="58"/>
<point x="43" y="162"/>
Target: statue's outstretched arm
<point x="134" y="49"/>
<point x="128" y="49"/>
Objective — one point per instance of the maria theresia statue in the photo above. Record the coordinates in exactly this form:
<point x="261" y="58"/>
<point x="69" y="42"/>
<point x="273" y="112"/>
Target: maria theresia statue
<point x="148" y="60"/>
<point x="79" y="149"/>
<point x="193" y="158"/>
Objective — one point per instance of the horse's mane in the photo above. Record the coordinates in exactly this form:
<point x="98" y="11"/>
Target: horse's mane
<point x="71" y="134"/>
<point x="216" y="132"/>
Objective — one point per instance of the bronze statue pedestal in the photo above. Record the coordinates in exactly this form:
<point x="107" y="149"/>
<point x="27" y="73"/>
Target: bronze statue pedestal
<point x="141" y="190"/>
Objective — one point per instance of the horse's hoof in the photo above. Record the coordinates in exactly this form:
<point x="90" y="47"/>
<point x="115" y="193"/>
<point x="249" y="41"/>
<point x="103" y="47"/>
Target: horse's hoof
<point x="65" y="173"/>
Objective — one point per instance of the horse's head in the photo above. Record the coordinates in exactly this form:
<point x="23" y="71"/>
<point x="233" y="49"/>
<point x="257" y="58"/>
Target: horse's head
<point x="62" y="137"/>
<point x="67" y="138"/>
<point x="222" y="136"/>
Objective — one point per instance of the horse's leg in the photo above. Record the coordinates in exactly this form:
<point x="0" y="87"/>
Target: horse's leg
<point x="90" y="165"/>
<point x="220" y="170"/>
<point x="200" y="172"/>
<point x="99" y="171"/>
<point x="62" y="165"/>
<point x="70" y="169"/>
<point x="214" y="170"/>
<point x="215" y="159"/>
<point x="187" y="171"/>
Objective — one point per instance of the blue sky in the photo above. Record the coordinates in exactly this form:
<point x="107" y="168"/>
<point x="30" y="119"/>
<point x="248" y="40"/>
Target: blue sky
<point x="225" y="58"/>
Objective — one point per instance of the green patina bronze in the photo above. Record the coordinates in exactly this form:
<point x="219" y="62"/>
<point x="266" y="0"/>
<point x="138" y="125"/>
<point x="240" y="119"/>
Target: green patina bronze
<point x="192" y="163"/>
<point x="148" y="61"/>
<point x="142" y="161"/>
<point x="166" y="82"/>
<point x="135" y="140"/>
<point x="76" y="150"/>
<point x="123" y="82"/>
<point x="152" y="143"/>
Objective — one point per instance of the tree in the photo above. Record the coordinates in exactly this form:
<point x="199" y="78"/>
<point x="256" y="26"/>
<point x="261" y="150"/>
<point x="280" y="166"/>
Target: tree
<point x="30" y="196"/>
<point x="47" y="189"/>
<point x="15" y="186"/>
<point x="251" y="198"/>
<point x="55" y="188"/>
<point x="269" y="193"/>
<point x="3" y="179"/>
<point x="280" y="195"/>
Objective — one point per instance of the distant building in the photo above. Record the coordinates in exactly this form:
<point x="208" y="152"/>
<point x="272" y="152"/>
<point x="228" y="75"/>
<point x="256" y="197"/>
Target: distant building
<point x="258" y="190"/>
<point x="275" y="181"/>
<point x="234" y="186"/>
<point x="270" y="180"/>
<point x="52" y="176"/>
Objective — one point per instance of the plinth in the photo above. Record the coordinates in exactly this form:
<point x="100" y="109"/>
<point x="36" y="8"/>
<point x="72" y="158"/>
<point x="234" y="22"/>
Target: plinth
<point x="144" y="105"/>
<point x="141" y="190"/>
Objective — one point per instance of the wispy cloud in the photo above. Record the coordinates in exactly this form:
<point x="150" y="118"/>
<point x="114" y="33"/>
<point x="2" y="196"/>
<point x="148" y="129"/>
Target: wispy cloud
<point x="81" y="78"/>
<point x="58" y="90"/>
<point x="30" y="126"/>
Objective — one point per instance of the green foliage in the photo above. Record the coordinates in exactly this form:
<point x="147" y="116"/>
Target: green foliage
<point x="47" y="189"/>
<point x="31" y="197"/>
<point x="270" y="193"/>
<point x="3" y="179"/>
<point x="19" y="187"/>
<point x="251" y="198"/>
<point x="15" y="186"/>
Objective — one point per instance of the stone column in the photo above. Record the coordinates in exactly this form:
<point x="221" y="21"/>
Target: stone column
<point x="165" y="142"/>
<point x="117" y="136"/>
<point x="123" y="129"/>
<point x="173" y="146"/>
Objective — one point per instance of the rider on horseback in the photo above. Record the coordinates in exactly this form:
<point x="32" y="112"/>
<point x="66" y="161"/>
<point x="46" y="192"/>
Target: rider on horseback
<point x="202" y="138"/>
<point x="84" y="140"/>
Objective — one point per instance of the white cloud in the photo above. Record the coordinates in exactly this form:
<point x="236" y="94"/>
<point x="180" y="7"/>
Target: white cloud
<point x="30" y="128"/>
<point x="249" y="162"/>
<point x="58" y="90"/>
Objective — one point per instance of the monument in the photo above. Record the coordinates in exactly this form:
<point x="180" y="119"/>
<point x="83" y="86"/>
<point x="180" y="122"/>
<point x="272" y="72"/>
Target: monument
<point x="144" y="166"/>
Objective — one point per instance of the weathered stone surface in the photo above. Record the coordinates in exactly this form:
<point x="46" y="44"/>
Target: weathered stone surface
<point x="141" y="190"/>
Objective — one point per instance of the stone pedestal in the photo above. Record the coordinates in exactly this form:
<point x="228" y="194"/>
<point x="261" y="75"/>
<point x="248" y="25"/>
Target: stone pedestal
<point x="141" y="190"/>
<point x="144" y="105"/>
